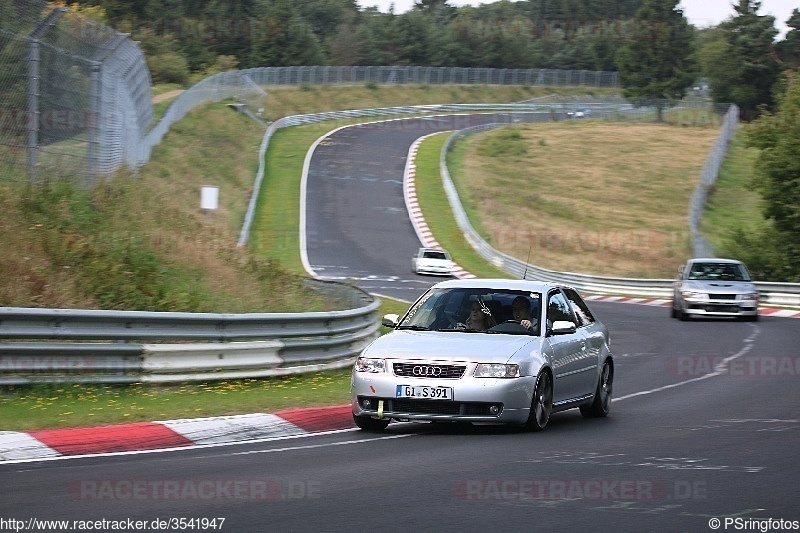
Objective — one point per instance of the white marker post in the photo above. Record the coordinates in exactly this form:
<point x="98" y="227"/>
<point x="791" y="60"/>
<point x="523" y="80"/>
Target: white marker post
<point x="209" y="198"/>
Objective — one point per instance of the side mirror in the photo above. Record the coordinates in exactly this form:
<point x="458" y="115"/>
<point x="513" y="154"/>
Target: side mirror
<point x="390" y="320"/>
<point x="563" y="327"/>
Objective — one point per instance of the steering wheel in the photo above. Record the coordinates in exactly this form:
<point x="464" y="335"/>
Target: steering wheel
<point x="510" y="326"/>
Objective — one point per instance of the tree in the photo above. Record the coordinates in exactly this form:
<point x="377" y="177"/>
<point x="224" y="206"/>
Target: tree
<point x="777" y="174"/>
<point x="656" y="61"/>
<point x="743" y="68"/>
<point x="789" y="48"/>
<point x="288" y="39"/>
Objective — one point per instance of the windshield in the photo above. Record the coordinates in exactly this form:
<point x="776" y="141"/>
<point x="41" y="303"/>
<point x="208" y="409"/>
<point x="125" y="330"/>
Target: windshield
<point x="476" y="310"/>
<point x="433" y="254"/>
<point x="719" y="271"/>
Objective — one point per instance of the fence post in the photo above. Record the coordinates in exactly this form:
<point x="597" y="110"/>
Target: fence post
<point x="33" y="108"/>
<point x="94" y="126"/>
<point x="33" y="88"/>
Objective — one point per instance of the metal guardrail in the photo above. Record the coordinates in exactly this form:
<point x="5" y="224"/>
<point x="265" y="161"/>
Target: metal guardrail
<point x="140" y="346"/>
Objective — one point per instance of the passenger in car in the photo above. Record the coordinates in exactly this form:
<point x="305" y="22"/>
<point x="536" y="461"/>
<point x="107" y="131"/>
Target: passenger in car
<point x="480" y="317"/>
<point x="521" y="311"/>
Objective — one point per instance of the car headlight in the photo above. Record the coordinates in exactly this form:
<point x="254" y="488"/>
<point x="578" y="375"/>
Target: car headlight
<point x="367" y="364"/>
<point x="496" y="370"/>
<point x="750" y="296"/>
<point x="694" y="295"/>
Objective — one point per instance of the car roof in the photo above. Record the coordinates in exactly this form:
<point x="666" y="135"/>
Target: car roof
<point x="496" y="283"/>
<point x="714" y="260"/>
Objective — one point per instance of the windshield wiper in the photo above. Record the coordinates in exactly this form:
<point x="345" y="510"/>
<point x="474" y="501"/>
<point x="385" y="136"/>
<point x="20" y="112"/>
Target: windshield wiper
<point x="414" y="327"/>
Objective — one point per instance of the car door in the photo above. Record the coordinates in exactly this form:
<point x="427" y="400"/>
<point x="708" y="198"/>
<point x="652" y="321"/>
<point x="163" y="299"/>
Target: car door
<point x="568" y="350"/>
<point x="594" y="337"/>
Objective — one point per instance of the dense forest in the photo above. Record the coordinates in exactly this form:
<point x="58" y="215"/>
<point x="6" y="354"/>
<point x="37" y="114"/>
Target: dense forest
<point x="187" y="39"/>
<point x="565" y="34"/>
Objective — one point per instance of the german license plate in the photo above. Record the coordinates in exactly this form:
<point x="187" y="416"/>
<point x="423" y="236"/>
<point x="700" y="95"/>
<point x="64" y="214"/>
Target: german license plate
<point x="424" y="392"/>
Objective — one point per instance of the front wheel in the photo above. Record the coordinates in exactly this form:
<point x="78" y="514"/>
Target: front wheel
<point x="542" y="403"/>
<point x="370" y="424"/>
<point x="602" y="396"/>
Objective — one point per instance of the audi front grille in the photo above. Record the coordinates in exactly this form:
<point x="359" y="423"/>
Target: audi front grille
<point x="416" y="370"/>
<point x="404" y="406"/>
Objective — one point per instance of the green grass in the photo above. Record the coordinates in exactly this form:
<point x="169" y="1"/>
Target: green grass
<point x="588" y="196"/>
<point x="438" y="214"/>
<point x="74" y="405"/>
<point x="731" y="203"/>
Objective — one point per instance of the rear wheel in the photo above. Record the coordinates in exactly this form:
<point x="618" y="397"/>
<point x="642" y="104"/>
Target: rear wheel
<point x="542" y="403"/>
<point x="370" y="424"/>
<point x="602" y="396"/>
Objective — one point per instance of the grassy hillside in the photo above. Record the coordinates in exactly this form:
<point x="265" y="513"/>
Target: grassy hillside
<point x="593" y="197"/>
<point x="141" y="241"/>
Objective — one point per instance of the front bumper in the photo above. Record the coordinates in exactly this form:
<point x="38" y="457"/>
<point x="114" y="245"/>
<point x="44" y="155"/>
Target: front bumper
<point x="474" y="399"/>
<point x="721" y="308"/>
<point x="435" y="271"/>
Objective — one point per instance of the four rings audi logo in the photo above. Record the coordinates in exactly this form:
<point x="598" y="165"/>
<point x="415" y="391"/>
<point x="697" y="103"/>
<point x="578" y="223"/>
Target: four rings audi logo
<point x="426" y="371"/>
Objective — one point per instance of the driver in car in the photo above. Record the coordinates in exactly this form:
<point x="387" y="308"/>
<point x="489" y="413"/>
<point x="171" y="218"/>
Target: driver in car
<point x="521" y="311"/>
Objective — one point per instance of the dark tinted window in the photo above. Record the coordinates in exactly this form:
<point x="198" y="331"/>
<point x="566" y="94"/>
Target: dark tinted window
<point x="579" y="307"/>
<point x="433" y="254"/>
<point x="719" y="271"/>
<point x="558" y="308"/>
<point x="446" y="308"/>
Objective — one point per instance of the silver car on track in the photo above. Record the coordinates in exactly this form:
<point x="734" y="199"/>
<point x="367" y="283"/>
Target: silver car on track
<point x="714" y="288"/>
<point x="486" y="351"/>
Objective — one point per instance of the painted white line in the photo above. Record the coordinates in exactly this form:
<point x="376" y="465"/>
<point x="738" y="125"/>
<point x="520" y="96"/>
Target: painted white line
<point x="326" y="445"/>
<point x="719" y="369"/>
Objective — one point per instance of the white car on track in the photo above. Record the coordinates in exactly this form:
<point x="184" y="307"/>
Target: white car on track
<point x="434" y="261"/>
<point x="486" y="351"/>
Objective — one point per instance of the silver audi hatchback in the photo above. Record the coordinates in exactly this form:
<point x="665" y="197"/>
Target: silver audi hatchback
<point x="488" y="351"/>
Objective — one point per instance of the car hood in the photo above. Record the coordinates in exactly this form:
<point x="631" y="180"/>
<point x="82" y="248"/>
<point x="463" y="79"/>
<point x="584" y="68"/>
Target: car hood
<point x="451" y="346"/>
<point x="719" y="286"/>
